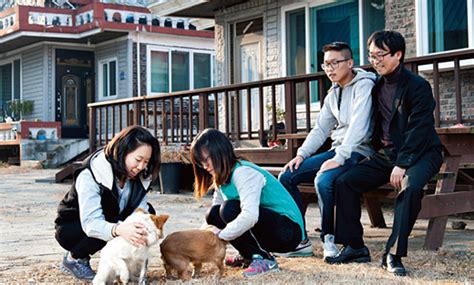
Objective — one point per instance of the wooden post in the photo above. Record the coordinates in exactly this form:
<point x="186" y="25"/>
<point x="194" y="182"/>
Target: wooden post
<point x="92" y="130"/>
<point x="203" y="111"/>
<point x="437" y="226"/>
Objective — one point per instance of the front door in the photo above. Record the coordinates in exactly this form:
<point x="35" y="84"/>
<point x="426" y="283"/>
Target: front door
<point x="74" y="90"/>
<point x="248" y="58"/>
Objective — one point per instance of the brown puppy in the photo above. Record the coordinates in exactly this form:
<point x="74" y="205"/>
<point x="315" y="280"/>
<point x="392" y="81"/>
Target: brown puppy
<point x="192" y="246"/>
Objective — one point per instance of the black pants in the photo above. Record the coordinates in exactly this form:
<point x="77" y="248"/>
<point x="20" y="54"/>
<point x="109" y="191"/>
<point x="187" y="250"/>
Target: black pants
<point x="272" y="233"/>
<point x="371" y="174"/>
<point x="72" y="238"/>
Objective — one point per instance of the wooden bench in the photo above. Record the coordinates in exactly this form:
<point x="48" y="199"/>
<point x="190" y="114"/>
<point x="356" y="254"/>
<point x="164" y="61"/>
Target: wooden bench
<point x="437" y="206"/>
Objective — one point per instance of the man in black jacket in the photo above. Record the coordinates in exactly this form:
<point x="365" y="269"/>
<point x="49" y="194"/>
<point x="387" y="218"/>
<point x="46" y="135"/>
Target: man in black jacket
<point x="409" y="154"/>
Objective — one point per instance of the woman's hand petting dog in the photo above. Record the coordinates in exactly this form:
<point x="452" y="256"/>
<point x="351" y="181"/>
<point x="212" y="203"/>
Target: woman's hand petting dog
<point x="134" y="233"/>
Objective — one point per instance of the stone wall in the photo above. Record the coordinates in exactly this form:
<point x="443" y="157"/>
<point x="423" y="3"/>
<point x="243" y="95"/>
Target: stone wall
<point x="400" y="16"/>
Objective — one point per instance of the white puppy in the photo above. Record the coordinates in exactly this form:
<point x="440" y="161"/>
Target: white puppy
<point x="119" y="258"/>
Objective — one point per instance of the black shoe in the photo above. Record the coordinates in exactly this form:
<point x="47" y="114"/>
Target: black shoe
<point x="348" y="254"/>
<point x="393" y="264"/>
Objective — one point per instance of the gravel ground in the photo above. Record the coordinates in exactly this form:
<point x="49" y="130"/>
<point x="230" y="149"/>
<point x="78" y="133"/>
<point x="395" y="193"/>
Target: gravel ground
<point x="29" y="254"/>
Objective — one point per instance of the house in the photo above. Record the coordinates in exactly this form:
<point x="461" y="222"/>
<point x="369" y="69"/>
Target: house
<point x="63" y="55"/>
<point x="60" y="55"/>
<point x="264" y="39"/>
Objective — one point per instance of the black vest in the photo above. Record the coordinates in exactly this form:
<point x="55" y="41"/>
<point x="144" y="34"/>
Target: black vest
<point x="68" y="209"/>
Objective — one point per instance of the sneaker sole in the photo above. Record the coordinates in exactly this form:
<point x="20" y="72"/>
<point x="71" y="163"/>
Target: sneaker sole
<point x="262" y="273"/>
<point x="303" y="254"/>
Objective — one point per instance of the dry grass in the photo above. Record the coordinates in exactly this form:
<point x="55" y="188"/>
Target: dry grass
<point x="30" y="255"/>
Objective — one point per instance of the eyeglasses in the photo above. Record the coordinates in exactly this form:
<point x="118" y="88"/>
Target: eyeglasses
<point x="333" y="65"/>
<point x="205" y="162"/>
<point x="378" y="57"/>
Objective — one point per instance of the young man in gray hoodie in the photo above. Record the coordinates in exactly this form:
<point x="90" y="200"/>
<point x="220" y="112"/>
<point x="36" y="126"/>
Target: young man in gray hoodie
<point x="347" y="112"/>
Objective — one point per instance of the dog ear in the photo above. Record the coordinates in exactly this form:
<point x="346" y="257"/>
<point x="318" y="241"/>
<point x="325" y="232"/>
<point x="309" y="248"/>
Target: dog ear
<point x="159" y="220"/>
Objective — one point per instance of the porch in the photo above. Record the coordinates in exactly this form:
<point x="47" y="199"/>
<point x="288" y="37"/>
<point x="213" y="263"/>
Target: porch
<point x="239" y="111"/>
<point x="246" y="112"/>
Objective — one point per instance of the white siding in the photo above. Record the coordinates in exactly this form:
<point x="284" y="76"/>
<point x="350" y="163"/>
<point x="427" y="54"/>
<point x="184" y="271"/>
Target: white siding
<point x="118" y="49"/>
<point x="32" y="67"/>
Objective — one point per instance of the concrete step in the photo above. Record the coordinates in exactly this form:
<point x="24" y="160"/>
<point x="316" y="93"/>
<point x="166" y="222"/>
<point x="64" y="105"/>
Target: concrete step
<point x="53" y="153"/>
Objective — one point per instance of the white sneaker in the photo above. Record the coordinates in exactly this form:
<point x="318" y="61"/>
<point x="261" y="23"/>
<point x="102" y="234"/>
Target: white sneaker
<point x="302" y="250"/>
<point x="329" y="247"/>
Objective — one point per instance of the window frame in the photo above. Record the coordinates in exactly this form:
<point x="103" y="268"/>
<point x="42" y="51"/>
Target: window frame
<point x="101" y="78"/>
<point x="12" y="62"/>
<point x="170" y="50"/>
<point x="421" y="26"/>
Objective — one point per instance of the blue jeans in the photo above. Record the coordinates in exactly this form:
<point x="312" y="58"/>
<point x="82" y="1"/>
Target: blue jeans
<point x="324" y="184"/>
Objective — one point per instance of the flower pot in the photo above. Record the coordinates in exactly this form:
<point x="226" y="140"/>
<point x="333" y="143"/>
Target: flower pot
<point x="170" y="182"/>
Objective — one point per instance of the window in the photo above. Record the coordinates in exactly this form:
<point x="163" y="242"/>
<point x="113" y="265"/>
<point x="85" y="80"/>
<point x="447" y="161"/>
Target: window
<point x="202" y="70"/>
<point x="444" y="25"/>
<point x="331" y="23"/>
<point x="308" y="27"/>
<point x="108" y="78"/>
<point x="178" y="70"/>
<point x="447" y="25"/>
<point x="296" y="43"/>
<point x="9" y="85"/>
<point x="160" y="72"/>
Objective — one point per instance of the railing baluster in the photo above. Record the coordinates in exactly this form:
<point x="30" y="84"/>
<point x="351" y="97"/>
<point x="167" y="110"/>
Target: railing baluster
<point x="145" y="119"/>
<point x="100" y="125"/>
<point x="216" y="116"/>
<point x="436" y="93"/>
<point x="274" y="119"/>
<point x="106" y="124"/>
<point x="163" y="122"/>
<point x="261" y="131"/>
<point x="172" y="120"/>
<point x="127" y="114"/>
<point x="155" y="119"/>
<point x="190" y="119"/>
<point x="92" y="129"/>
<point x="307" y="105"/>
<point x="120" y="117"/>
<point x="203" y="111"/>
<point x="113" y="120"/>
<point x="181" y="125"/>
<point x="321" y="92"/>
<point x="457" y="85"/>
<point x="226" y="113"/>
<point x="137" y="113"/>
<point x="237" y="116"/>
<point x="249" y="114"/>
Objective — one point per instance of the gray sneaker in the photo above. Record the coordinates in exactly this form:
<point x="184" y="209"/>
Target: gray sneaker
<point x="329" y="247"/>
<point x="81" y="269"/>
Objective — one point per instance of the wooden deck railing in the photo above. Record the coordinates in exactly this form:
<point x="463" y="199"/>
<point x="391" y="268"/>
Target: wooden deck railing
<point x="177" y="117"/>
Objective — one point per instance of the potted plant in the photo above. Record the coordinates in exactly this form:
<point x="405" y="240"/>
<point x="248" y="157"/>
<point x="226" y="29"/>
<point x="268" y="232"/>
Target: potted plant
<point x="280" y="128"/>
<point x="176" y="171"/>
<point x="20" y="108"/>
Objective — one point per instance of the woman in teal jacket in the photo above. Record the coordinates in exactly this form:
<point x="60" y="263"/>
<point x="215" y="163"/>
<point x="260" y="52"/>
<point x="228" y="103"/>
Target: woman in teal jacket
<point x="250" y="208"/>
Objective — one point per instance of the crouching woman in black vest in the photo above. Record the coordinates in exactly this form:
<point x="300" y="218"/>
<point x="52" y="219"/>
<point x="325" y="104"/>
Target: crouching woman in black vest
<point x="109" y="186"/>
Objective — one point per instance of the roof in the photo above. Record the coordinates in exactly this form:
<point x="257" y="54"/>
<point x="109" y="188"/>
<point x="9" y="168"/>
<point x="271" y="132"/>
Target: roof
<point x="91" y="24"/>
<point x="192" y="8"/>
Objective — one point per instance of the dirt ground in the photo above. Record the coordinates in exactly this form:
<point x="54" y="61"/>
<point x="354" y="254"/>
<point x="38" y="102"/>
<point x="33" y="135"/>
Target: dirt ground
<point x="29" y="253"/>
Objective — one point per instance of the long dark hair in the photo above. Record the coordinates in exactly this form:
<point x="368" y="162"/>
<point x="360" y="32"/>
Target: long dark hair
<point x="222" y="155"/>
<point x="127" y="141"/>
